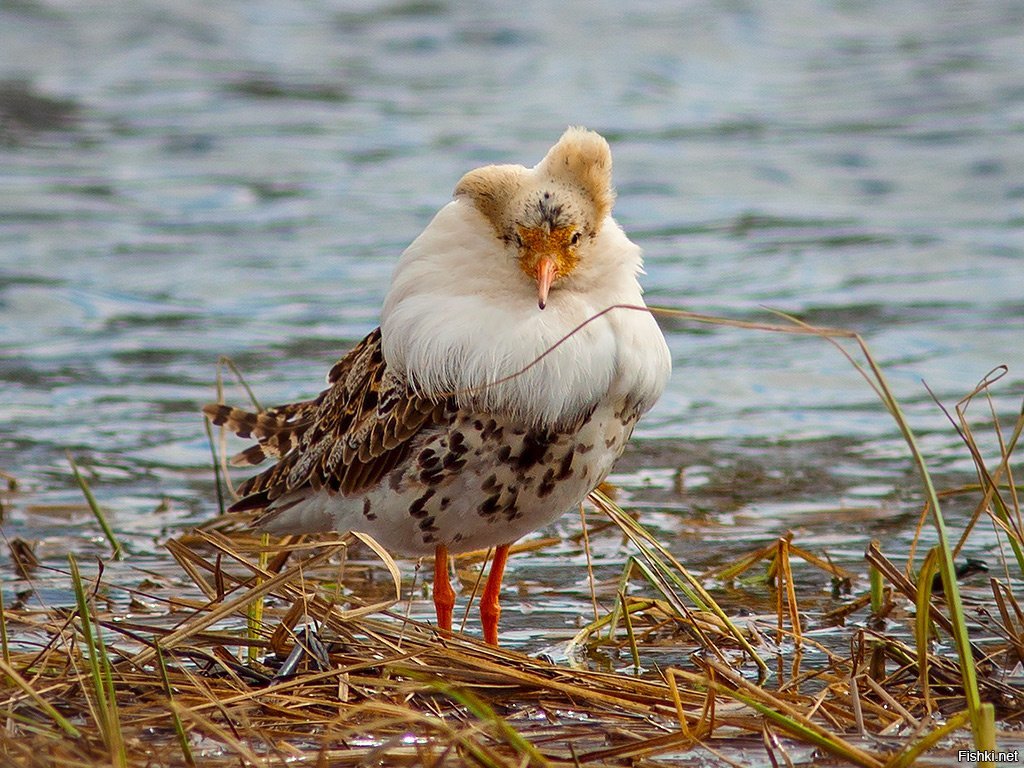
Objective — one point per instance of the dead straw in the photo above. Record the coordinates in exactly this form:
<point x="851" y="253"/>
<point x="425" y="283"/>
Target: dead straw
<point x="138" y="690"/>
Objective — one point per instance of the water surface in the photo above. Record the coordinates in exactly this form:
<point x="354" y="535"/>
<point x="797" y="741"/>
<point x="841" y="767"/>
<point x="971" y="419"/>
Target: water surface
<point x="180" y="182"/>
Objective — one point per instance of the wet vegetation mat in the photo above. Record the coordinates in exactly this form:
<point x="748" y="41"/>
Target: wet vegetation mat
<point x="300" y="651"/>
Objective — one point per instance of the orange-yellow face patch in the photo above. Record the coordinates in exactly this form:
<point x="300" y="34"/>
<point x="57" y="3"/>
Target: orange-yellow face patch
<point x="547" y="255"/>
<point x="559" y="245"/>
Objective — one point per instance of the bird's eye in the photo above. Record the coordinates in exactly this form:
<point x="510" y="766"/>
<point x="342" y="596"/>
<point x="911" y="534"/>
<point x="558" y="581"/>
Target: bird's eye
<point x="575" y="238"/>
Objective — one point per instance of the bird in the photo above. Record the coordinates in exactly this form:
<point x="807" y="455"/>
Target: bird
<point x="513" y="359"/>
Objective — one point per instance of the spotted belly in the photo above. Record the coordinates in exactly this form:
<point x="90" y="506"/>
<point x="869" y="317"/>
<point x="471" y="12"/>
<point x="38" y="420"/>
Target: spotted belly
<point x="475" y="483"/>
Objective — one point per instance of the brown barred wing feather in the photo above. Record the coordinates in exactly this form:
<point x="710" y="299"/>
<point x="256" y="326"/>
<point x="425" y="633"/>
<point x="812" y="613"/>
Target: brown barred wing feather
<point x="276" y="430"/>
<point x="345" y="440"/>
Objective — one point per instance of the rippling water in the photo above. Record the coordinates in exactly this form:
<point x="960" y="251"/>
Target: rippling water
<point x="180" y="181"/>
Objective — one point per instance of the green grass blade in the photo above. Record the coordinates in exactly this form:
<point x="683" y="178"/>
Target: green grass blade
<point x="4" y="643"/>
<point x="660" y="559"/>
<point x="115" y="546"/>
<point x="84" y="616"/>
<point x="485" y="714"/>
<point x="796" y="726"/>
<point x="254" y="614"/>
<point x="633" y="650"/>
<point x="218" y="481"/>
<point x="101" y="672"/>
<point x="877" y="590"/>
<point x="1004" y="517"/>
<point x="179" y="727"/>
<point x="61" y="721"/>
<point x="908" y="756"/>
<point x="879" y="383"/>
<point x="923" y="621"/>
<point x="946" y="567"/>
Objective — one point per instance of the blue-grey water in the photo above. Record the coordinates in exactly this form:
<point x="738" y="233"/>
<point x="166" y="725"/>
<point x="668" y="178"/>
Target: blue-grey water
<point x="184" y="180"/>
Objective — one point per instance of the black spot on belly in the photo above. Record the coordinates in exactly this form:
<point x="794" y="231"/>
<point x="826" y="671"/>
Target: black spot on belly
<point x="445" y="501"/>
<point x="366" y="510"/>
<point x="418" y="507"/>
<point x="490" y="484"/>
<point x="432" y="476"/>
<point x="565" y="468"/>
<point x="490" y="505"/>
<point x="452" y="462"/>
<point x="609" y="442"/>
<point x="535" y="445"/>
<point x="512" y="511"/>
<point x="492" y="431"/>
<point x="427" y="459"/>
<point x="457" y="444"/>
<point x="503" y="453"/>
<point x="427" y="524"/>
<point x="547" y="484"/>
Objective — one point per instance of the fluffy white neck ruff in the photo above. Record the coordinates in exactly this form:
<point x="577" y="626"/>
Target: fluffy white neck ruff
<point x="461" y="315"/>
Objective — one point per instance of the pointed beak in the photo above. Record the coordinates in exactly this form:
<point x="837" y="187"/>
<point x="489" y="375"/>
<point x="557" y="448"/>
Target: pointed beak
<point x="545" y="276"/>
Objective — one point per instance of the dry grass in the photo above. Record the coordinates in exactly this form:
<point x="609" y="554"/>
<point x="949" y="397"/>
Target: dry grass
<point x="266" y="661"/>
<point x="372" y="687"/>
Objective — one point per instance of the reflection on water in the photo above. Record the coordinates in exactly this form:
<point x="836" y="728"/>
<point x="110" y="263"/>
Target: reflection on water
<point x="179" y="182"/>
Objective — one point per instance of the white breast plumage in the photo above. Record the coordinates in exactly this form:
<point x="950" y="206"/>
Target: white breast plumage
<point x="452" y="327"/>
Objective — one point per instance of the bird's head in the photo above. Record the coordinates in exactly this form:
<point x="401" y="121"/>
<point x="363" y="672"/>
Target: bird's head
<point x="547" y="216"/>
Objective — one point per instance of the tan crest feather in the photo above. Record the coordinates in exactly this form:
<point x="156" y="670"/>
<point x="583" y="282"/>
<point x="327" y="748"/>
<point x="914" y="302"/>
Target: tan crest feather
<point x="581" y="161"/>
<point x="584" y="157"/>
<point x="492" y="188"/>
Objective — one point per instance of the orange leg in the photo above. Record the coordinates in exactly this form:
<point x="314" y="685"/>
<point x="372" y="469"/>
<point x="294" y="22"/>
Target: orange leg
<point x="444" y="595"/>
<point x="490" y="610"/>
